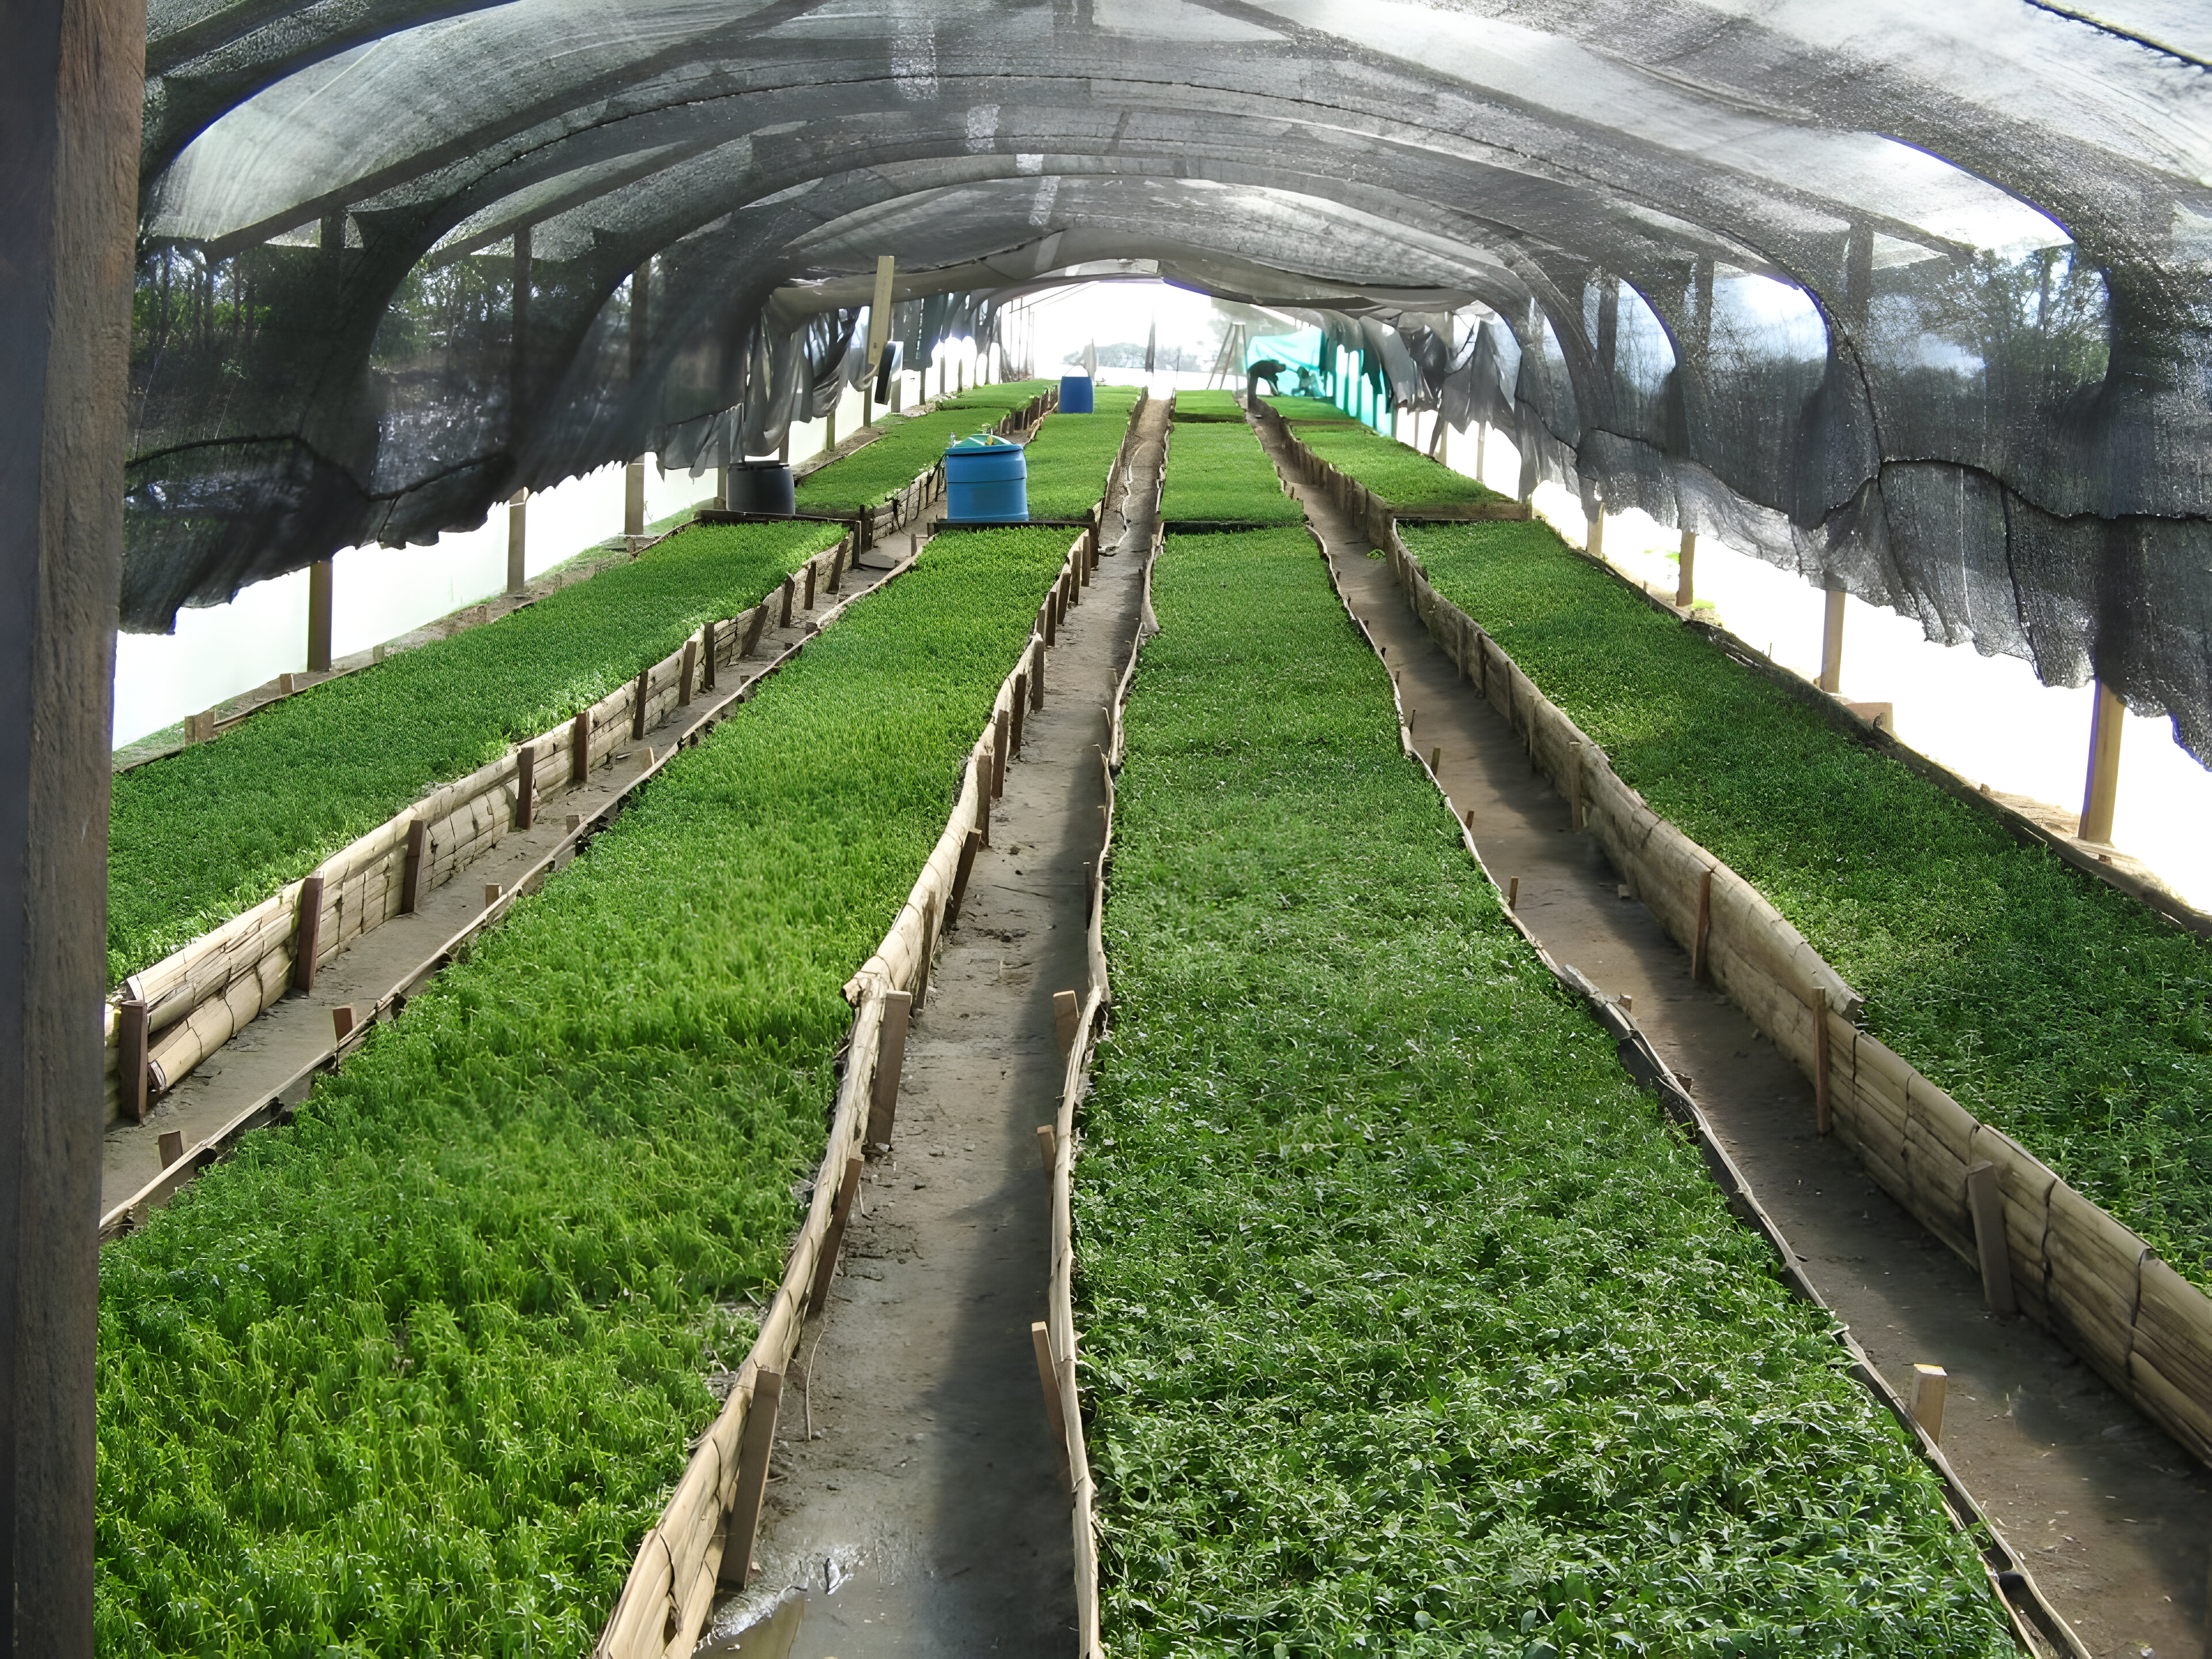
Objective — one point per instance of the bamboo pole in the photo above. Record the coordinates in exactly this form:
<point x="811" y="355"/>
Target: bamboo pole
<point x="2100" y="791"/>
<point x="1831" y="642"/>
<point x="1685" y="576"/>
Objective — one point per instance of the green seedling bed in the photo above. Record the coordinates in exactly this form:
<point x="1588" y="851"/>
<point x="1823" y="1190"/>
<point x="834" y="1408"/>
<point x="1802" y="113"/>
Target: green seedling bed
<point x="1402" y="477"/>
<point x="1218" y="471"/>
<point x="1207" y="406"/>
<point x="1297" y="409"/>
<point x="2065" y="1013"/>
<point x="1409" y="1326"/>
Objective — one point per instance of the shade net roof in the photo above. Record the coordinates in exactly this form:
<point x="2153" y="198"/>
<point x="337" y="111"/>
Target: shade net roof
<point x="1911" y="298"/>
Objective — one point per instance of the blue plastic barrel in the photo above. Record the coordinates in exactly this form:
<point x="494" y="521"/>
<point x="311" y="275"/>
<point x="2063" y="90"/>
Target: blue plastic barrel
<point x="987" y="481"/>
<point x="1075" y="394"/>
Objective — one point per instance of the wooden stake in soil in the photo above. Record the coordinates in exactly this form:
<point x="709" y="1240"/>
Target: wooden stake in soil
<point x="637" y="707"/>
<point x="492" y="891"/>
<point x="171" y="1147"/>
<point x="752" y="1479"/>
<point x="1041" y="1340"/>
<point x="1066" y="1008"/>
<point x="968" y="843"/>
<point x="1020" y="707"/>
<point x="579" y="749"/>
<point x="928" y="951"/>
<point x="998" y="756"/>
<point x="411" y="870"/>
<point x="1989" y="1242"/>
<point x="526" y="784"/>
<point x="706" y="656"/>
<point x="342" y="1021"/>
<point x="1929" y="1383"/>
<point x="1513" y="893"/>
<point x="809" y="601"/>
<point x="1705" y="928"/>
<point x="890" y="1061"/>
<point x="841" y="1211"/>
<point x="1818" y="1005"/>
<point x="985" y="765"/>
<point x="691" y="667"/>
<point x="786" y="622"/>
<point x="1036" y="680"/>
<point x="131" y="1069"/>
<point x="1049" y="618"/>
<point x="1046" y="1145"/>
<point x="306" y="932"/>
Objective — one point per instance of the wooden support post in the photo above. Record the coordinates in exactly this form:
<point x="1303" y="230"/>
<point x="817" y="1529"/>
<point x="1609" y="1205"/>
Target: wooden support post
<point x="200" y="728"/>
<point x="706" y="655"/>
<point x="1989" y="1242"/>
<point x="1036" y="679"/>
<point x="1593" y="538"/>
<point x="72" y="87"/>
<point x="928" y="956"/>
<point x="1831" y="642"/>
<point x="841" y="1211"/>
<point x="130" y="1067"/>
<point x="171" y="1146"/>
<point x="685" y="675"/>
<point x="1018" y="708"/>
<point x="319" y="617"/>
<point x="1054" y="1410"/>
<point x="755" y="625"/>
<point x="969" y="842"/>
<point x="785" y="621"/>
<point x="1513" y="892"/>
<point x="637" y="703"/>
<point x="1066" y="1010"/>
<point x="525" y="785"/>
<point x="1817" y="1006"/>
<point x="986" y="765"/>
<point x="493" y="893"/>
<point x="809" y="601"/>
<point x="753" y="1452"/>
<point x="891" y="1062"/>
<point x="1685" y="571"/>
<point x="998" y="756"/>
<point x="580" y="748"/>
<point x="306" y="930"/>
<point x="1929" y="1384"/>
<point x="342" y="1021"/>
<point x="411" y="870"/>
<point x="1049" y="617"/>
<point x="633" y="501"/>
<point x="1047" y="1146"/>
<point x="1699" y="939"/>
<point x="2100" y="792"/>
<point x="517" y="536"/>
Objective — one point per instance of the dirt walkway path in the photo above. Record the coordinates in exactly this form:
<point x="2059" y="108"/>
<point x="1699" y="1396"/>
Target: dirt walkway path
<point x="2112" y="1517"/>
<point x="923" y="1515"/>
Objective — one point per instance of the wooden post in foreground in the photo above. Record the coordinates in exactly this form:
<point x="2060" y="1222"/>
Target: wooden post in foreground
<point x="1056" y="1414"/>
<point x="1929" y="1383"/>
<point x="1989" y="1244"/>
<point x="2100" y="792"/>
<point x="1593" y="538"/>
<point x="1685" y="577"/>
<point x="633" y="501"/>
<point x="752" y="1477"/>
<point x="891" y="1062"/>
<point x="319" y="617"/>
<point x="1832" y="643"/>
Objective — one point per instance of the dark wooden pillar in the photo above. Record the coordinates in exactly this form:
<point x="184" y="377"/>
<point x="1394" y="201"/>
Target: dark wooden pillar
<point x="72" y="83"/>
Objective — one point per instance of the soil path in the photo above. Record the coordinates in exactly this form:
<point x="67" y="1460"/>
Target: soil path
<point x="2111" y="1515"/>
<point x="914" y="1507"/>
<point x="293" y="1032"/>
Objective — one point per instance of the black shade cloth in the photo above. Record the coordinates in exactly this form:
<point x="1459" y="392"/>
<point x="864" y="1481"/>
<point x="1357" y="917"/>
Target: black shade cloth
<point x="1910" y="298"/>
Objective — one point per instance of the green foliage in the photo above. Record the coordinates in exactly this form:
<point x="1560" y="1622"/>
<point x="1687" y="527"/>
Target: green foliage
<point x="1001" y="395"/>
<point x="906" y="446"/>
<point x="1295" y="410"/>
<point x="1401" y="476"/>
<point x="1219" y="473"/>
<point x="1410" y="1327"/>
<point x="414" y="1375"/>
<point x="1207" y="406"/>
<point x="1069" y="458"/>
<point x="204" y="834"/>
<point x="2065" y="1013"/>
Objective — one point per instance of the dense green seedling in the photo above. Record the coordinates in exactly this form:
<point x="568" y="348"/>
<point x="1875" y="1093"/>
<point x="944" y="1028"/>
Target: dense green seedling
<point x="906" y="446"/>
<point x="1069" y="458"/>
<point x="413" y="1376"/>
<point x="1219" y="473"/>
<point x="1001" y="395"/>
<point x="2060" y="1010"/>
<point x="1402" y="477"/>
<point x="1409" y="1327"/>
<point x="1295" y="410"/>
<point x="197" y="837"/>
<point x="1207" y="406"/>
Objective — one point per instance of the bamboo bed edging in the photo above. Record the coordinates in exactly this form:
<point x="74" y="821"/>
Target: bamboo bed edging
<point x="199" y="997"/>
<point x="2037" y="1626"/>
<point x="1376" y="518"/>
<point x="661" y="1610"/>
<point x="2069" y="1266"/>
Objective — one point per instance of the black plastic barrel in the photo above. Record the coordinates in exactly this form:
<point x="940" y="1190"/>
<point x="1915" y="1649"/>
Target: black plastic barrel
<point x="762" y="487"/>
